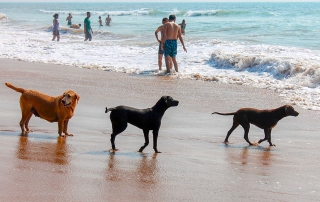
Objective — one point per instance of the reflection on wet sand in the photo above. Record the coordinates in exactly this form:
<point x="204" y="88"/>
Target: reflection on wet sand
<point x="145" y="173"/>
<point x="43" y="151"/>
<point x="244" y="155"/>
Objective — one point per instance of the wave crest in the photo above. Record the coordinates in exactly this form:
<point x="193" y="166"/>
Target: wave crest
<point x="143" y="11"/>
<point x="3" y="16"/>
<point x="281" y="63"/>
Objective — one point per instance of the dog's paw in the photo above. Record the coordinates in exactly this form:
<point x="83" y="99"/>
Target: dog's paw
<point x="113" y="150"/>
<point x="141" y="149"/>
<point x="156" y="151"/>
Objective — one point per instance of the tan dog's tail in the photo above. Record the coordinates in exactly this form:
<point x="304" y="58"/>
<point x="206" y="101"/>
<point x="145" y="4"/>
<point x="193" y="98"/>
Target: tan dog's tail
<point x="108" y="110"/>
<point x="224" y="113"/>
<point x="19" y="90"/>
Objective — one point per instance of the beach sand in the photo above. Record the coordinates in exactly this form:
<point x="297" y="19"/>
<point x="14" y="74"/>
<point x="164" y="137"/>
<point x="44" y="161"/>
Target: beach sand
<point x="194" y="164"/>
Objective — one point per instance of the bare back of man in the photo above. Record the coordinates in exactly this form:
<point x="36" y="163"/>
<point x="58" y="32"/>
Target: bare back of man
<point x="171" y="31"/>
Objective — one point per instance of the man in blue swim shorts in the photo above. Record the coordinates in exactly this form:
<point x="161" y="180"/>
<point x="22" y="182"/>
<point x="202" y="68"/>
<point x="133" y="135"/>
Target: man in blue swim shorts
<point x="170" y="33"/>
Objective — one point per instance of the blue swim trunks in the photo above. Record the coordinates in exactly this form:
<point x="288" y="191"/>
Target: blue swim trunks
<point x="170" y="48"/>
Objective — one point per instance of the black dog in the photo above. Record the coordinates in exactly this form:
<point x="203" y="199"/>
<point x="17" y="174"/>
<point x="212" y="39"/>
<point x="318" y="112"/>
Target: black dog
<point x="146" y="119"/>
<point x="264" y="119"/>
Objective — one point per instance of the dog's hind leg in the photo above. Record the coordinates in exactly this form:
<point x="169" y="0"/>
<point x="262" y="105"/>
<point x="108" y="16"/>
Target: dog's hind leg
<point x="246" y="127"/>
<point x="27" y="123"/>
<point x="234" y="126"/>
<point x="117" y="128"/>
<point x="23" y="122"/>
<point x="146" y="137"/>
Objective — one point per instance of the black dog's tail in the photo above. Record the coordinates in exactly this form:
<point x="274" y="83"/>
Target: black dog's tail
<point x="224" y="113"/>
<point x="108" y="110"/>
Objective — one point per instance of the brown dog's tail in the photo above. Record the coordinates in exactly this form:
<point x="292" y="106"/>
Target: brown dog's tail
<point x="19" y="90"/>
<point x="108" y="110"/>
<point x="224" y="113"/>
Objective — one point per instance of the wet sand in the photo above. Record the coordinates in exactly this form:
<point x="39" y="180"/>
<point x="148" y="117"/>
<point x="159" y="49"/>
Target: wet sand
<point x="194" y="164"/>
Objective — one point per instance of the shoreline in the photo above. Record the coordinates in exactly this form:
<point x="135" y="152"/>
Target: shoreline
<point x="195" y="164"/>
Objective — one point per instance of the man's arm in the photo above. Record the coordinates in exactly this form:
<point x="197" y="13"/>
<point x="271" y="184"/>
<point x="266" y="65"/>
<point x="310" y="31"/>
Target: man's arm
<point x="181" y="40"/>
<point x="163" y="35"/>
<point x="85" y="27"/>
<point x="156" y="33"/>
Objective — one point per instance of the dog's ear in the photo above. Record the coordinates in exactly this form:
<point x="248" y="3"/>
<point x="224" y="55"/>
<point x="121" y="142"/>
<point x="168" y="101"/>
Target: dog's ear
<point x="288" y="109"/>
<point x="77" y="97"/>
<point x="164" y="99"/>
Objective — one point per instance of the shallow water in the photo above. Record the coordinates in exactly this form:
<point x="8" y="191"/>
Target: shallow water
<point x="266" y="45"/>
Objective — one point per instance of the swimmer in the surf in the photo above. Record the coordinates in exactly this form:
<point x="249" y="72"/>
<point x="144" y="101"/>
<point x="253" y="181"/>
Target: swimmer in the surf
<point x="100" y="21"/>
<point x="183" y="26"/>
<point x="108" y="20"/>
<point x="75" y="26"/>
<point x="55" y="29"/>
<point x="69" y="19"/>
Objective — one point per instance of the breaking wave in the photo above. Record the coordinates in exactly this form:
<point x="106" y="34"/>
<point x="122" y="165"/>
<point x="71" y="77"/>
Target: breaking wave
<point x="3" y="16"/>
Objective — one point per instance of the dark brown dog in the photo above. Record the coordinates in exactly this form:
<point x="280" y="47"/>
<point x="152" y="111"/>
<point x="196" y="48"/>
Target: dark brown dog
<point x="53" y="109"/>
<point x="264" y="119"/>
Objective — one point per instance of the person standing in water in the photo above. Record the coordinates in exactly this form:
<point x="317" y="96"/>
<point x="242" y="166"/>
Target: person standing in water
<point x="170" y="33"/>
<point x="100" y="21"/>
<point x="183" y="27"/>
<point x="108" y="20"/>
<point x="160" y="52"/>
<point x="87" y="27"/>
<point x="55" y="29"/>
<point x="69" y="19"/>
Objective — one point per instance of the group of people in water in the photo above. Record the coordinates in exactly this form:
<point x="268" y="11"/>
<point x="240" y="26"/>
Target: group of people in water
<point x="87" y="25"/>
<point x="170" y="32"/>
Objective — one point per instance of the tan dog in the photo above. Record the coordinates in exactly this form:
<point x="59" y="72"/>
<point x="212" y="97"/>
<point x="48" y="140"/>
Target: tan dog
<point x="53" y="109"/>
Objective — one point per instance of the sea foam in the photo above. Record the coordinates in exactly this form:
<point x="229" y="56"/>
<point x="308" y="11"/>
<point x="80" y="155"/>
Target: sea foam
<point x="3" y="16"/>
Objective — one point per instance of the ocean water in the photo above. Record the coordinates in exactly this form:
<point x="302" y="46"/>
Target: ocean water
<point x="265" y="45"/>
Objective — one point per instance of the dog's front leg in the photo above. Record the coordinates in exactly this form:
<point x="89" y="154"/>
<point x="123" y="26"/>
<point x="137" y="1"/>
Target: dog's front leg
<point x="266" y="135"/>
<point x="65" y="129"/>
<point x="155" y="140"/>
<point x="60" y="127"/>
<point x="269" y="139"/>
<point x="146" y="137"/>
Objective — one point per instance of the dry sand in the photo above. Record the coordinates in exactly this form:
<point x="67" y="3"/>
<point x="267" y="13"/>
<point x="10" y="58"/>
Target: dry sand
<point x="194" y="164"/>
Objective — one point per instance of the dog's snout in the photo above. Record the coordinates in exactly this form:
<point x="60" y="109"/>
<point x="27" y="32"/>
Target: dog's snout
<point x="63" y="101"/>
<point x="175" y="103"/>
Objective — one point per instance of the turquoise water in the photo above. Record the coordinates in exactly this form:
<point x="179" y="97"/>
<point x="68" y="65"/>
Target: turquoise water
<point x="266" y="45"/>
<point x="288" y="24"/>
